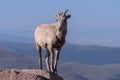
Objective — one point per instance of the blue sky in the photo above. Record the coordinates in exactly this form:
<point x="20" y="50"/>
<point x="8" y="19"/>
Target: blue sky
<point x="92" y="21"/>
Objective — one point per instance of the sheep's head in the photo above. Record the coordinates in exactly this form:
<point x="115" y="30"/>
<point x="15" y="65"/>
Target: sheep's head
<point x="61" y="19"/>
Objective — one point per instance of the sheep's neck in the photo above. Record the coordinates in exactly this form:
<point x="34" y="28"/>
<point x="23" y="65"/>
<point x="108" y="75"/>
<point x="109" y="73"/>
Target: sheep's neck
<point x="62" y="33"/>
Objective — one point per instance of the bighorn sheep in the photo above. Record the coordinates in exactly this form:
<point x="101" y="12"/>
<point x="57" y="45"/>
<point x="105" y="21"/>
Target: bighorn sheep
<point x="51" y="36"/>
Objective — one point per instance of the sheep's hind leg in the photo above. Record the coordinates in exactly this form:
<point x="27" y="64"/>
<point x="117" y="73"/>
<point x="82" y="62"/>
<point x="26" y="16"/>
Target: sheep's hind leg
<point x="47" y="60"/>
<point x="39" y="49"/>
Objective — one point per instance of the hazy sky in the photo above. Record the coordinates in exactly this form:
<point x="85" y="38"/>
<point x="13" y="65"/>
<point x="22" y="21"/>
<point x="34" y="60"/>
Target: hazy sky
<point x="92" y="21"/>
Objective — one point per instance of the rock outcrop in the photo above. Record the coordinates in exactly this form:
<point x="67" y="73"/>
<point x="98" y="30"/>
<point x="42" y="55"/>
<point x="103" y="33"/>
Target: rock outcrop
<point x="27" y="74"/>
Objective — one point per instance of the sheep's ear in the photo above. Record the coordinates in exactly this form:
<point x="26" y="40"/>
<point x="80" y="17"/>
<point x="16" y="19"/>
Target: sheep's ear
<point x="68" y="16"/>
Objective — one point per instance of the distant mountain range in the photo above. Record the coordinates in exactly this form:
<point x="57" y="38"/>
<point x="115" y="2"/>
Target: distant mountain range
<point x="90" y="54"/>
<point x="9" y="59"/>
<point x="77" y="62"/>
<point x="8" y="37"/>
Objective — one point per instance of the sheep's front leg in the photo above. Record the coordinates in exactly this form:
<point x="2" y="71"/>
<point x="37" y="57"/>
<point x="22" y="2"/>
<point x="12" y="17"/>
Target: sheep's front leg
<point x="47" y="60"/>
<point x="57" y="58"/>
<point x="40" y="55"/>
<point x="52" y="57"/>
